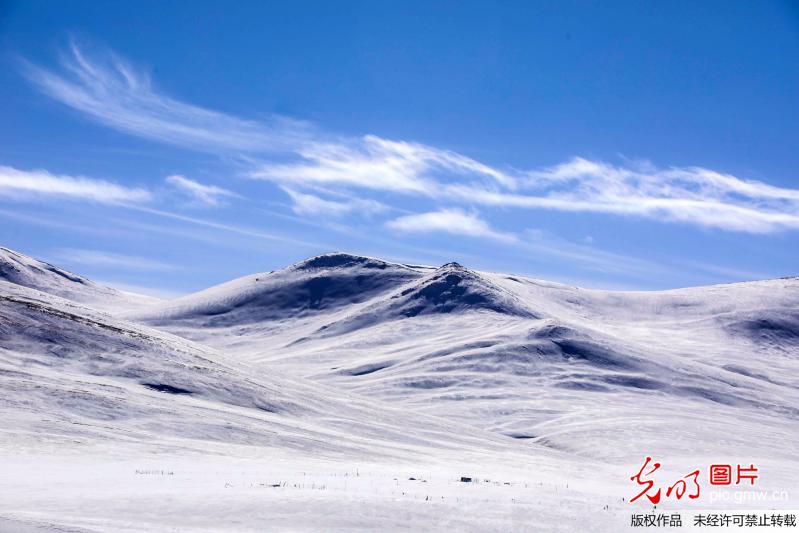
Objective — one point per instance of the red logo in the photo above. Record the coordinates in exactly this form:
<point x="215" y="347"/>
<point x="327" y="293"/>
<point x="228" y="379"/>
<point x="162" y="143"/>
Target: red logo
<point x="720" y="474"/>
<point x="741" y="475"/>
<point x="689" y="484"/>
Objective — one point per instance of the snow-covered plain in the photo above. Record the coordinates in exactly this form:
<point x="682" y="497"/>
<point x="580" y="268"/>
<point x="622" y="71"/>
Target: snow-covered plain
<point x="345" y="393"/>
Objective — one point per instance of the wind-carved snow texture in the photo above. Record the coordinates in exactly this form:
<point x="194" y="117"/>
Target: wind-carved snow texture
<point x="83" y="365"/>
<point x="449" y="289"/>
<point x="22" y="270"/>
<point x="385" y="384"/>
<point x="317" y="285"/>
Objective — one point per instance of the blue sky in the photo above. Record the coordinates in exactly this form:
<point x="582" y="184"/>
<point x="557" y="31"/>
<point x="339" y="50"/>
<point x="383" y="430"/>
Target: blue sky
<point x="167" y="147"/>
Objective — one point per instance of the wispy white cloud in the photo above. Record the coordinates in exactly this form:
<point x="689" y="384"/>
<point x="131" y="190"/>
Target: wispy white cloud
<point x="309" y="204"/>
<point x="200" y="193"/>
<point x="454" y="221"/>
<point x="25" y="183"/>
<point x="293" y="154"/>
<point x="374" y="163"/>
<point x="159" y="293"/>
<point x="680" y="194"/>
<point x="730" y="273"/>
<point x="228" y="228"/>
<point x="112" y="91"/>
<point x="546" y="245"/>
<point x="99" y="258"/>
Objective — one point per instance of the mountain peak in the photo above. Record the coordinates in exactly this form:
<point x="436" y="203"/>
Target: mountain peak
<point x="339" y="260"/>
<point x="318" y="285"/>
<point x="453" y="287"/>
<point x="26" y="271"/>
<point x="450" y="289"/>
<point x="23" y="270"/>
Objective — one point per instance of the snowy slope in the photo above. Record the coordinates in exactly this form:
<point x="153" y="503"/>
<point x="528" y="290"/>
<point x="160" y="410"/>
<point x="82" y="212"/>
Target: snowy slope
<point x="29" y="272"/>
<point x="310" y="287"/>
<point x="449" y="289"/>
<point x="595" y="373"/>
<point x="296" y="399"/>
<point x="111" y="426"/>
<point x="90" y="371"/>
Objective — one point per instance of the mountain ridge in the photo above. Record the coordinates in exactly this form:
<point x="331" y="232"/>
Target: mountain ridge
<point x="23" y="270"/>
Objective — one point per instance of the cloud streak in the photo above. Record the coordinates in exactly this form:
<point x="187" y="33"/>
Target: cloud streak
<point x="230" y="228"/>
<point x="309" y="204"/>
<point x="452" y="221"/>
<point x="115" y="93"/>
<point x="544" y="244"/>
<point x="98" y="258"/>
<point x="200" y="193"/>
<point x="379" y="164"/>
<point x="692" y="195"/>
<point x="297" y="156"/>
<point x="26" y="183"/>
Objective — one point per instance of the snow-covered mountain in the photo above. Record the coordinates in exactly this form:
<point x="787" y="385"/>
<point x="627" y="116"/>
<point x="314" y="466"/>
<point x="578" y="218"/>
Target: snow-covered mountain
<point x="451" y="289"/>
<point x="387" y="383"/>
<point x="595" y="373"/>
<point x="313" y="287"/>
<point x="26" y="271"/>
<point x="81" y="366"/>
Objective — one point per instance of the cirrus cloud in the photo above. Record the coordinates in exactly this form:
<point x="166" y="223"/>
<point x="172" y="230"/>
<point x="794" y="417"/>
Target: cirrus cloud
<point x="296" y="155"/>
<point x="309" y="204"/>
<point x="27" y="183"/>
<point x="99" y="258"/>
<point x="110" y="90"/>
<point x="203" y="194"/>
<point x="453" y="221"/>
